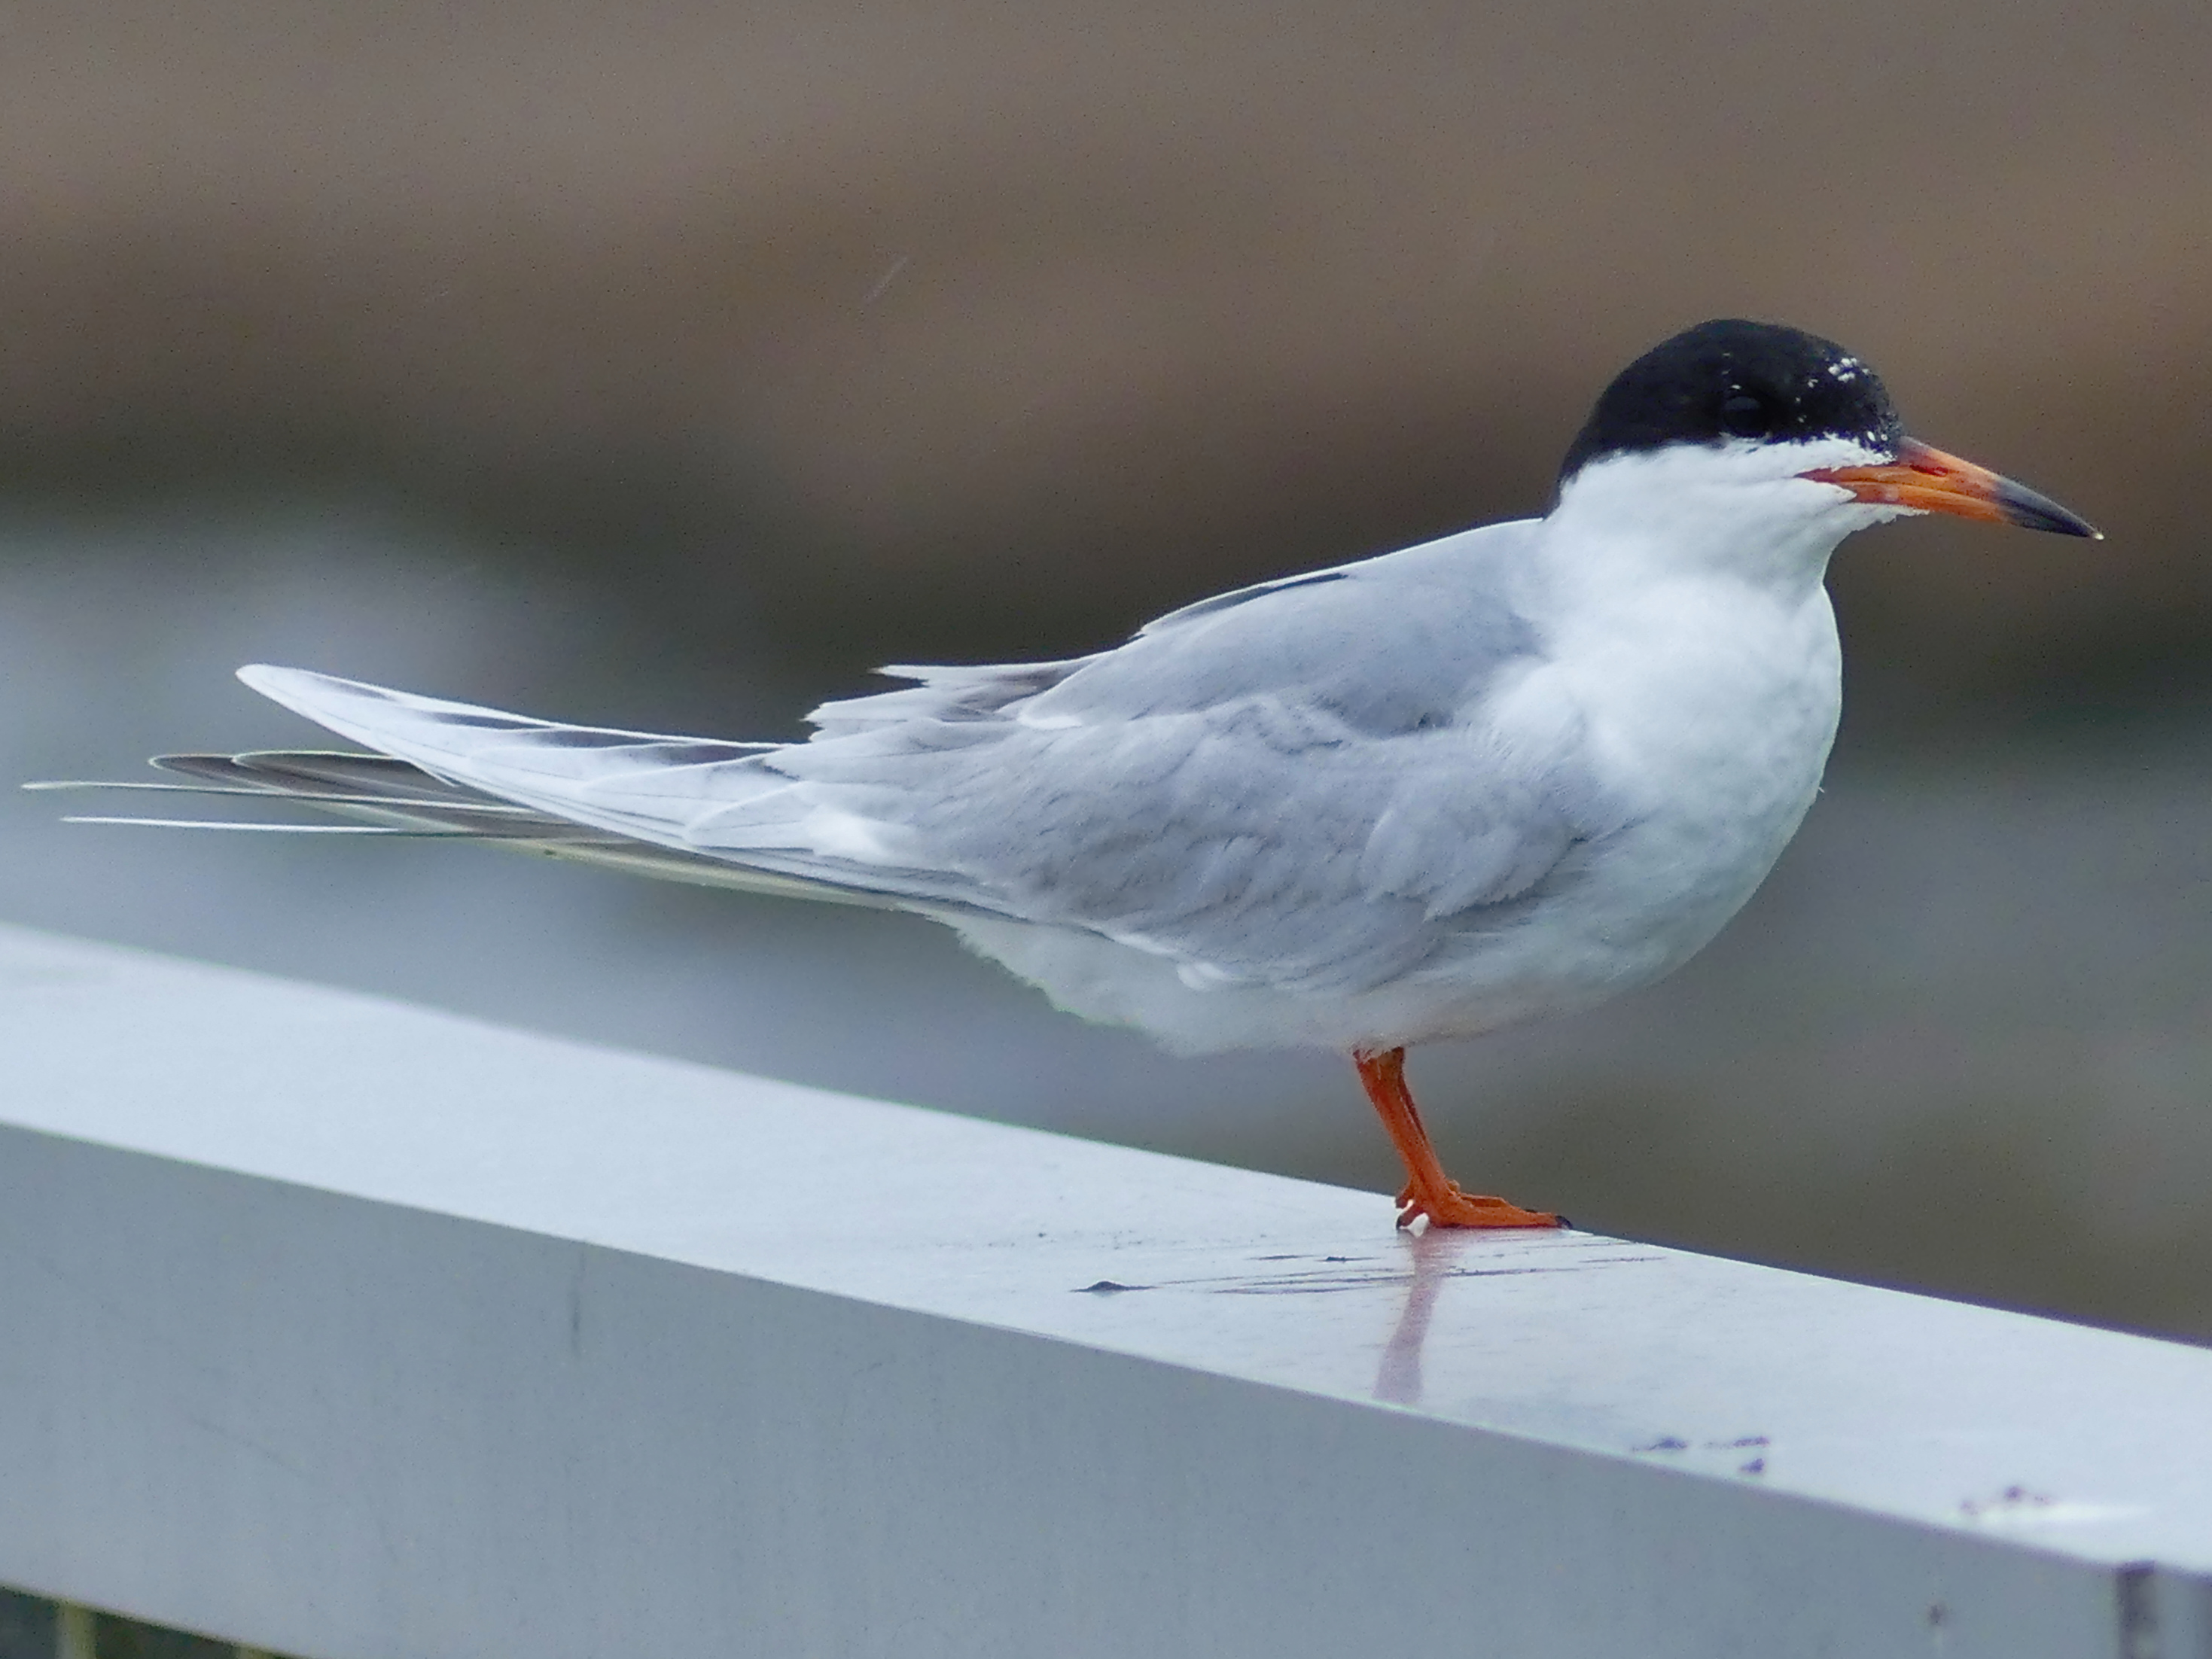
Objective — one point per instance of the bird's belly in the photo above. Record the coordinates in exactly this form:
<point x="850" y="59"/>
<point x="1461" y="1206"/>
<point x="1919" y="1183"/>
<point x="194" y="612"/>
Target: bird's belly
<point x="1618" y="916"/>
<point x="1622" y="913"/>
<point x="1717" y="768"/>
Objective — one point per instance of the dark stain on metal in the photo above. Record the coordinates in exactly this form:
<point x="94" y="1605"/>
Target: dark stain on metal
<point x="2011" y="1498"/>
<point x="2134" y="1589"/>
<point x="1314" y="1282"/>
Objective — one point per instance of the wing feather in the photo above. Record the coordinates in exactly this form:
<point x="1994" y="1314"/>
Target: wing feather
<point x="1301" y="784"/>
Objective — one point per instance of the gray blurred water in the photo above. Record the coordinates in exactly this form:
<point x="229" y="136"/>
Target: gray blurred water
<point x="1960" y="1041"/>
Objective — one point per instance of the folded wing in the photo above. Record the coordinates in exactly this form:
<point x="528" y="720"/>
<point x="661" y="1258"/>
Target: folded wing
<point x="1303" y="785"/>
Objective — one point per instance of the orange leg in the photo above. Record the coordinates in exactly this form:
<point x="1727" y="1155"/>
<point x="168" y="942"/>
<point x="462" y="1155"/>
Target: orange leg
<point x="1429" y="1192"/>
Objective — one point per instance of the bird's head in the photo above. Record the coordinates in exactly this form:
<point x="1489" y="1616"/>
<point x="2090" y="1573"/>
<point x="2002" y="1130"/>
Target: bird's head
<point x="1740" y="443"/>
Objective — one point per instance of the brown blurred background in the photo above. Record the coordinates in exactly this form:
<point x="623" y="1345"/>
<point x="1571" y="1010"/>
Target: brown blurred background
<point x="670" y="365"/>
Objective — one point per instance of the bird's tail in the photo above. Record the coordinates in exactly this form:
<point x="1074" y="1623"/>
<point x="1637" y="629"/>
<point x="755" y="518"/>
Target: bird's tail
<point x="453" y="771"/>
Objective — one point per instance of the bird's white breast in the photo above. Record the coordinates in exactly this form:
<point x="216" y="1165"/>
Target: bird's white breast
<point x="1708" y="706"/>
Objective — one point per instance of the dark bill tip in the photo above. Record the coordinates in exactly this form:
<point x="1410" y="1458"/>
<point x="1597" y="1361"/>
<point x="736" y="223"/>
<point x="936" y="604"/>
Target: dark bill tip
<point x="2031" y="510"/>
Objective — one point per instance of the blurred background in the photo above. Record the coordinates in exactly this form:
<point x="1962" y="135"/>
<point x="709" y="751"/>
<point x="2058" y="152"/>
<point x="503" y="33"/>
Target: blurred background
<point x="668" y="365"/>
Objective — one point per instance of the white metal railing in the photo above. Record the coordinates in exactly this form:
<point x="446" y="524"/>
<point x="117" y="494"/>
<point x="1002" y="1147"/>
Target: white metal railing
<point x="345" y="1329"/>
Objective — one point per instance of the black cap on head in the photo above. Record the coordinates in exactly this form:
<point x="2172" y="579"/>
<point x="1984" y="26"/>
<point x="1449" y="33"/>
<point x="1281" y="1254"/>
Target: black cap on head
<point x="1730" y="379"/>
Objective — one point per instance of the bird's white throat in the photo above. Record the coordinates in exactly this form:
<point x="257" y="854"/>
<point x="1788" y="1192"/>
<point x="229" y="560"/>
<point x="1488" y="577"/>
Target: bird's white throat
<point x="1740" y="509"/>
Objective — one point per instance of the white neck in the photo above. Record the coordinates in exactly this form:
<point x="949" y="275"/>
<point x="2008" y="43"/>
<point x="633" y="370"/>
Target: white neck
<point x="1736" y="511"/>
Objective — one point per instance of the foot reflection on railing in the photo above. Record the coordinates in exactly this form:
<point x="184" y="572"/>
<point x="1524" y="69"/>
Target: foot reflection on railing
<point x="1432" y="1251"/>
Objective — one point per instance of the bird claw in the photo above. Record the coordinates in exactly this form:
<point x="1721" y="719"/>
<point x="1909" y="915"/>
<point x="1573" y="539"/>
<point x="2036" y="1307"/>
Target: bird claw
<point x="1454" y="1208"/>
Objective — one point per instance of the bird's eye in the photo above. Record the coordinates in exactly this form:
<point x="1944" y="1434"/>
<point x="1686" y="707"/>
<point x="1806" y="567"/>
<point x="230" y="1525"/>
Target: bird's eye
<point x="1744" y="415"/>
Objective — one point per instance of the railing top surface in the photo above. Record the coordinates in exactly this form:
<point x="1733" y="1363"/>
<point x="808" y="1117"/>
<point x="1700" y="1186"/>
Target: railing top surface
<point x="2084" y="1442"/>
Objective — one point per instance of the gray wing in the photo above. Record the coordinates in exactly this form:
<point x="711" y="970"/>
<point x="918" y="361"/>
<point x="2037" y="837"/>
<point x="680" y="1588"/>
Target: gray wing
<point x="1302" y="784"/>
<point x="1299" y="785"/>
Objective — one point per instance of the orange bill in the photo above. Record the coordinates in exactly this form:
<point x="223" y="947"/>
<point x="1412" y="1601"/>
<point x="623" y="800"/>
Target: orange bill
<point x="1927" y="480"/>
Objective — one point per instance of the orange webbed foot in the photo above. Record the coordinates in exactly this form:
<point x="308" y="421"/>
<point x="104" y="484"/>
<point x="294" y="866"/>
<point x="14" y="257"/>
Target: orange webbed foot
<point x="1430" y="1192"/>
<point x="1454" y="1208"/>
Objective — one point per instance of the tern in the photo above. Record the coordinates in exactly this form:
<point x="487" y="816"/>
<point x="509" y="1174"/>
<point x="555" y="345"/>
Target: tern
<point x="1506" y="774"/>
